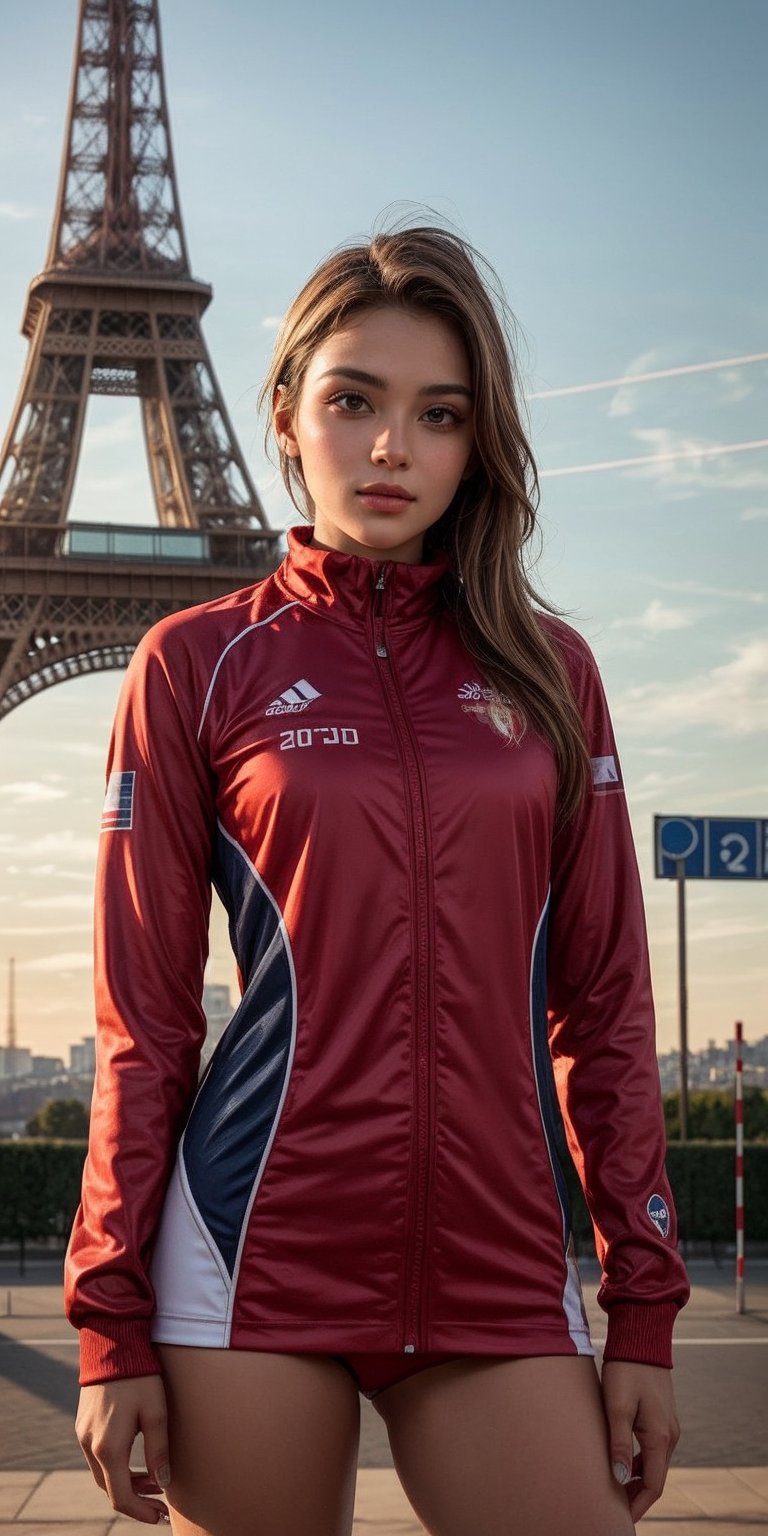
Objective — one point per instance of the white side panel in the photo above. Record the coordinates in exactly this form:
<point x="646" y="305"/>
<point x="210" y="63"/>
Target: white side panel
<point x="573" y="1305"/>
<point x="573" y="1300"/>
<point x="190" y="1282"/>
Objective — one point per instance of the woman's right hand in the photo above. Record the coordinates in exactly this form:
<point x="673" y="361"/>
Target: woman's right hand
<point x="109" y="1416"/>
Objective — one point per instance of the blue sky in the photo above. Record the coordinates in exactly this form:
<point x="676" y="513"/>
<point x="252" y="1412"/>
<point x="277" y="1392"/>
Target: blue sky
<point x="608" y="160"/>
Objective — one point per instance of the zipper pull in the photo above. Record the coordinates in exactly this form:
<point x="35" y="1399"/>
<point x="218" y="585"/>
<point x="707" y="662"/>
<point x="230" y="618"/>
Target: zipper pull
<point x="381" y="649"/>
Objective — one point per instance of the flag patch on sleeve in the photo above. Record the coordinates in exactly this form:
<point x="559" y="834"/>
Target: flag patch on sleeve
<point x="605" y="773"/>
<point x="117" y="815"/>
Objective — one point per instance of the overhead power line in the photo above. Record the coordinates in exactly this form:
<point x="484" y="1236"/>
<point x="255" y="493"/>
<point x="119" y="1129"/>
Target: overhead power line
<point x="642" y="378"/>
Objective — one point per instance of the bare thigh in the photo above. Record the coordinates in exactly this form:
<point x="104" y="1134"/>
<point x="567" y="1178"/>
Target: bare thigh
<point x="261" y="1444"/>
<point x="506" y="1448"/>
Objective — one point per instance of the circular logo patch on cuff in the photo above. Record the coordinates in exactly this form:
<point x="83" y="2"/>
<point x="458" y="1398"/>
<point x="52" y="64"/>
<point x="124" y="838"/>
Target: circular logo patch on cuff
<point x="658" y="1210"/>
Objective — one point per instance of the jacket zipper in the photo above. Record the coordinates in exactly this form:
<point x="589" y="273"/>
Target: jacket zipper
<point x="418" y="823"/>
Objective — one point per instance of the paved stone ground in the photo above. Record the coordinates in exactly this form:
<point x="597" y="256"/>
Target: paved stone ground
<point x="717" y="1487"/>
<point x="717" y="1502"/>
<point x="721" y="1386"/>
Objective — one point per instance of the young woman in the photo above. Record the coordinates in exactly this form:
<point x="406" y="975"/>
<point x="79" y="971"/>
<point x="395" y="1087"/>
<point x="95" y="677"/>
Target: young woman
<point x="396" y="765"/>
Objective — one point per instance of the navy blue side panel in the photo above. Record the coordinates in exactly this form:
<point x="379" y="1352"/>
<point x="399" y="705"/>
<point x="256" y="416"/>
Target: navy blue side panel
<point x="239" y="1098"/>
<point x="550" y="1108"/>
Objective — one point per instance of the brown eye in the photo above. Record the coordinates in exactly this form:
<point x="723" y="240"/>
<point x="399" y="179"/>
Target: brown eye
<point x="353" y="401"/>
<point x="445" y="412"/>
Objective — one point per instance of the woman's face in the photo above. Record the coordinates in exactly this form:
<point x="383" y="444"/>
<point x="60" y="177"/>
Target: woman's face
<point x="385" y="403"/>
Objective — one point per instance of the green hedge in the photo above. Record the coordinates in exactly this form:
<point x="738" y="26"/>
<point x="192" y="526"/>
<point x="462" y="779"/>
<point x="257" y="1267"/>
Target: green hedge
<point x="703" y="1179"/>
<point x="40" y="1190"/>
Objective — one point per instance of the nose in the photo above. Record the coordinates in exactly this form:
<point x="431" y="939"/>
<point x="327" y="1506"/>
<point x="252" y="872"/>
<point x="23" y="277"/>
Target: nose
<point x="391" y="447"/>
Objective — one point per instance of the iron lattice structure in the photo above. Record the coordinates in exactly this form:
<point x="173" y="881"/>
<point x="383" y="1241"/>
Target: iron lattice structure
<point x="116" y="311"/>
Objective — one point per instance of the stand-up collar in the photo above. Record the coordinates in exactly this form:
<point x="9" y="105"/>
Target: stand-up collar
<point x="345" y="584"/>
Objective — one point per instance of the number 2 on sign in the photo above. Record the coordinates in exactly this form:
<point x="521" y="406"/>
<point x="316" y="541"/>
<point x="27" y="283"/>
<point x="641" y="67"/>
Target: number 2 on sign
<point x="734" y="852"/>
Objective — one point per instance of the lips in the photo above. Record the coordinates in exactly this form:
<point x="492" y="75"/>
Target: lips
<point x="382" y="489"/>
<point x="386" y="498"/>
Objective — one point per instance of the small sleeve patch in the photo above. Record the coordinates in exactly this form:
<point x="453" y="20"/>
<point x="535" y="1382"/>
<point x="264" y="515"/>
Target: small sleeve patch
<point x="658" y="1210"/>
<point x="605" y="773"/>
<point x="117" y="815"/>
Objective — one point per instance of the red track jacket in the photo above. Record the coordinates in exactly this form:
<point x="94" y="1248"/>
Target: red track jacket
<point x="432" y="988"/>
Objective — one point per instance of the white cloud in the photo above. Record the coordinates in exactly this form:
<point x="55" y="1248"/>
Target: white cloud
<point x="84" y="748"/>
<point x="199" y="105"/>
<point x="726" y="928"/>
<point x="736" y="386"/>
<point x="63" y="845"/>
<point x="657" y="618"/>
<point x="70" y="960"/>
<point x="676" y="752"/>
<point x="714" y="931"/>
<point x="66" y="901"/>
<point x="272" y="322"/>
<point x="16" y="212"/>
<point x="682" y="477"/>
<point x="625" y="400"/>
<point x="76" y="875"/>
<point x="745" y="791"/>
<point x="731" y="699"/>
<point x="654" y="786"/>
<point x="109" y="434"/>
<point x="702" y="589"/>
<point x="43" y="931"/>
<point x="31" y="792"/>
<point x="754" y="515"/>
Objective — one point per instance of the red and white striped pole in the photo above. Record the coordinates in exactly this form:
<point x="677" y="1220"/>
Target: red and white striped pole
<point x="739" y="1168"/>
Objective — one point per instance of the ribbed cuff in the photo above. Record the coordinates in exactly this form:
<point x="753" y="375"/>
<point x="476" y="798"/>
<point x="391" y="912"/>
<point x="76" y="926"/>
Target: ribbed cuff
<point x="641" y="1331"/>
<point x="113" y="1348"/>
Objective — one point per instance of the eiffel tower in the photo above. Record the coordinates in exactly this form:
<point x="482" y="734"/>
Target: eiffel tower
<point x="116" y="311"/>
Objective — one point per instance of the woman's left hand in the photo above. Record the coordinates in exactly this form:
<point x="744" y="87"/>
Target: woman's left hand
<point x="639" y="1400"/>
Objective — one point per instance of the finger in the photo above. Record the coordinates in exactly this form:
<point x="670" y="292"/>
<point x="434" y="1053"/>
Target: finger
<point x="144" y="1482"/>
<point x="94" y="1466"/>
<point x="121" y="1494"/>
<point x="620" y="1420"/>
<point x="655" y="1458"/>
<point x="153" y="1423"/>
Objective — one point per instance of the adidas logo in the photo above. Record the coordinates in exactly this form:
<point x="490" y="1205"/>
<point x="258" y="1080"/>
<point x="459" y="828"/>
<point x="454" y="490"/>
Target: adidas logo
<point x="294" y="699"/>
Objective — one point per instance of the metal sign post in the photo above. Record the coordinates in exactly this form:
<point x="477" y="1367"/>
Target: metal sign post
<point x="731" y="848"/>
<point x="683" y="998"/>
<point x="739" y="1168"/>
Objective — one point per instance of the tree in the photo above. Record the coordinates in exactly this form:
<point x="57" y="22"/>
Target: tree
<point x="711" y="1115"/>
<point x="64" y="1119"/>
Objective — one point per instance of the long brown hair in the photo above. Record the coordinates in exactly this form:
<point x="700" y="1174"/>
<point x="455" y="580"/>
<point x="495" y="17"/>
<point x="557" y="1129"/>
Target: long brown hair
<point x="492" y="518"/>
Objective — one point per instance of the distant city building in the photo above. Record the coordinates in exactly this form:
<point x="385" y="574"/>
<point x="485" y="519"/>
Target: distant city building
<point x="715" y="1067"/>
<point x="28" y="1081"/>
<point x="47" y="1066"/>
<point x="15" y="1061"/>
<point x="82" y="1057"/>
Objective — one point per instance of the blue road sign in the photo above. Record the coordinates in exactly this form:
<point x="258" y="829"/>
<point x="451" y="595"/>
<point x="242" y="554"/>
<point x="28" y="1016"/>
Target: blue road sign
<point x="711" y="847"/>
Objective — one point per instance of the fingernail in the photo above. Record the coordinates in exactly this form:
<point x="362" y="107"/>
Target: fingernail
<point x="163" y="1475"/>
<point x="620" y="1472"/>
